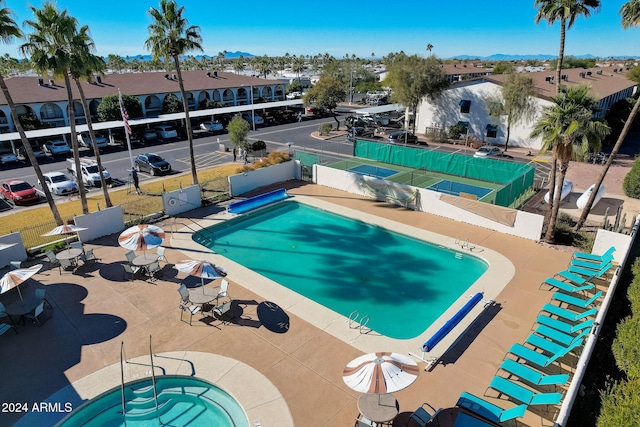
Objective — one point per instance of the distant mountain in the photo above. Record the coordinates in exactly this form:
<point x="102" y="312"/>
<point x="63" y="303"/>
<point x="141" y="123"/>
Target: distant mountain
<point x="538" y="57"/>
<point x="229" y="55"/>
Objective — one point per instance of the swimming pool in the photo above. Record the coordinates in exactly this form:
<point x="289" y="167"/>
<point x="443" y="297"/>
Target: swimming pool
<point x="402" y="283"/>
<point x="182" y="401"/>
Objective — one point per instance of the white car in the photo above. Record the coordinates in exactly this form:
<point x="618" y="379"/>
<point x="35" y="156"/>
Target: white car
<point x="166" y="132"/>
<point x="8" y="158"/>
<point x="84" y="139"/>
<point x="294" y="95"/>
<point x="212" y="126"/>
<point x="56" y="148"/>
<point x="488" y="151"/>
<point x="59" y="183"/>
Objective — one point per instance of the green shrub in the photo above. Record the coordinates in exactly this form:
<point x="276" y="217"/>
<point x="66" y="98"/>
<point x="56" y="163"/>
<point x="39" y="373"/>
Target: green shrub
<point x="325" y="128"/>
<point x="620" y="405"/>
<point x="456" y="131"/>
<point x="631" y="183"/>
<point x="626" y="346"/>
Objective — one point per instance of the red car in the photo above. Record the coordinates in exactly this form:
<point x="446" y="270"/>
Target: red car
<point x="18" y="192"/>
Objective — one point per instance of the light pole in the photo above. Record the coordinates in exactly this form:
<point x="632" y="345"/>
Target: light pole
<point x="253" y="114"/>
<point x="289" y="144"/>
<point x="351" y="87"/>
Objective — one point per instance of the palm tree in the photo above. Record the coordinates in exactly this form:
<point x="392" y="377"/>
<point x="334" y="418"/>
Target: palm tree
<point x="429" y="48"/>
<point x="570" y="131"/>
<point x="49" y="46"/>
<point x="84" y="65"/>
<point x="630" y="12"/>
<point x="8" y="32"/>
<point x="565" y="11"/>
<point x="170" y="37"/>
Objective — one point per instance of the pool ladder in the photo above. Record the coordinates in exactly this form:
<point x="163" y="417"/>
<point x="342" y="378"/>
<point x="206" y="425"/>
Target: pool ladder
<point x="354" y="323"/>
<point x="122" y="386"/>
<point x="462" y="244"/>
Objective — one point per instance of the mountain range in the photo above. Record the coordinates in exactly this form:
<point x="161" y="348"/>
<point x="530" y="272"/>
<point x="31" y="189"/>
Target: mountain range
<point x="538" y="57"/>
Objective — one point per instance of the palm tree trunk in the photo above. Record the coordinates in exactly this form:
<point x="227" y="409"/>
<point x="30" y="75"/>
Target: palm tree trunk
<point x="506" y="142"/>
<point x="29" y="151"/>
<point x="548" y="237"/>
<point x="605" y="168"/>
<point x="563" y="33"/>
<point x="74" y="145"/>
<point x="96" y="151"/>
<point x="185" y="105"/>
<point x="555" y="208"/>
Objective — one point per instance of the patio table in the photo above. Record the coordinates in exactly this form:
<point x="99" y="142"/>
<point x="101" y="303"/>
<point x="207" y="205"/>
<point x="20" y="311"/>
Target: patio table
<point x="202" y="295"/>
<point x="380" y="408"/>
<point x="22" y="307"/>
<point x="71" y="254"/>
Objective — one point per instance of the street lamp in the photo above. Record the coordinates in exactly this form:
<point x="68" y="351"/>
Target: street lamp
<point x="351" y="87"/>
<point x="253" y="114"/>
<point x="289" y="144"/>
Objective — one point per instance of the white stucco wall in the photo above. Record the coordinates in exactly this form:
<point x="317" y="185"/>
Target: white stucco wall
<point x="445" y="112"/>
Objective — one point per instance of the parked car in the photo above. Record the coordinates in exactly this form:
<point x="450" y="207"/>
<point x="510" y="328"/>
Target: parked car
<point x="84" y="139"/>
<point x="36" y="152"/>
<point x="294" y="95"/>
<point x="359" y="131"/>
<point x="488" y="151"/>
<point x="212" y="126"/>
<point x="166" y="132"/>
<point x="18" y="192"/>
<point x="59" y="183"/>
<point x="56" y="148"/>
<point x="258" y="120"/>
<point x="401" y="136"/>
<point x="8" y="158"/>
<point x="149" y="135"/>
<point x="153" y="164"/>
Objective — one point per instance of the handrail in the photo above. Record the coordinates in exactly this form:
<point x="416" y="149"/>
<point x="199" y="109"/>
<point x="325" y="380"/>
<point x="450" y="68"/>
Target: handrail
<point x="153" y="381"/>
<point x="124" y="417"/>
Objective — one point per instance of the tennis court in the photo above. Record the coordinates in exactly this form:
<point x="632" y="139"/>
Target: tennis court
<point x="371" y="170"/>
<point x="455" y="188"/>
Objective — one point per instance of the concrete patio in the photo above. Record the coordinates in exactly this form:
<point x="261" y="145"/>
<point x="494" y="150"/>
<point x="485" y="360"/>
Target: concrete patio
<point x="96" y="308"/>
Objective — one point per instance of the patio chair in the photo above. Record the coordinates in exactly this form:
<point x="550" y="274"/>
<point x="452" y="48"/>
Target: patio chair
<point x="591" y="274"/>
<point x="560" y="337"/>
<point x="541" y="342"/>
<point x="561" y="326"/>
<point x="591" y="265"/>
<point x="517" y="392"/>
<point x="568" y="314"/>
<point x="524" y="372"/>
<point x="362" y="421"/>
<point x="594" y="257"/>
<point x="565" y="286"/>
<point x="131" y="270"/>
<point x="532" y="356"/>
<point x="41" y="294"/>
<point x="4" y="327"/>
<point x="35" y="313"/>
<point x="578" y="302"/>
<point x="153" y="268"/>
<point x="77" y="245"/>
<point x="160" y="251"/>
<point x="186" y="305"/>
<point x="3" y="313"/>
<point x="487" y="410"/>
<point x="53" y="260"/>
<point x="130" y="256"/>
<point x="572" y="277"/>
<point x="65" y="264"/>
<point x="422" y="416"/>
<point x="88" y="256"/>
<point x="224" y="290"/>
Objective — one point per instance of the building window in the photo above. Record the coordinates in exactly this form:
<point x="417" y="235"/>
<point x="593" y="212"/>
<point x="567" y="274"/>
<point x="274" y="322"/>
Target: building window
<point x="492" y="131"/>
<point x="465" y="106"/>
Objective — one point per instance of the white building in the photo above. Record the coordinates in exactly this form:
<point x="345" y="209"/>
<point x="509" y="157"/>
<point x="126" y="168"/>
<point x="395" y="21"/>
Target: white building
<point x="464" y="102"/>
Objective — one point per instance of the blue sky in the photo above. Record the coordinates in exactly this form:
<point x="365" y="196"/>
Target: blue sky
<point x="465" y="27"/>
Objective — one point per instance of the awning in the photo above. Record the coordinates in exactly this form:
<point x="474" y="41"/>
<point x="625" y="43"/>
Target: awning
<point x="465" y="124"/>
<point x="493" y="128"/>
<point x="465" y="103"/>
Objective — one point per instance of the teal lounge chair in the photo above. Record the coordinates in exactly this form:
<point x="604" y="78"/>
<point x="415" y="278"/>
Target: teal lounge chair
<point x="560" y="337"/>
<point x="551" y="347"/>
<point x="487" y="410"/>
<point x="572" y="300"/>
<point x="594" y="257"/>
<point x="565" y="286"/>
<point x="524" y="372"/>
<point x="572" y="277"/>
<point x="522" y="394"/>
<point x="591" y="274"/>
<point x="533" y="356"/>
<point x="568" y="314"/>
<point x="561" y="326"/>
<point x="591" y="265"/>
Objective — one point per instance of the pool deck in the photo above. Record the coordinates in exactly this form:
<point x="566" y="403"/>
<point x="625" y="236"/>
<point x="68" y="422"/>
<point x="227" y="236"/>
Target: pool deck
<point x="95" y="309"/>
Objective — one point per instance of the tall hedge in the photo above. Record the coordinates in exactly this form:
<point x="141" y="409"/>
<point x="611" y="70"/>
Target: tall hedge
<point x="631" y="183"/>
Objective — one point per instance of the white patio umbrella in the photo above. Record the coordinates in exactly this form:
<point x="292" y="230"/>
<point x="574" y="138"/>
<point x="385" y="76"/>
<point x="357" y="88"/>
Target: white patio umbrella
<point x="201" y="269"/>
<point x="141" y="237"/>
<point x="380" y="373"/>
<point x="6" y="245"/>
<point x="64" y="229"/>
<point x="13" y="278"/>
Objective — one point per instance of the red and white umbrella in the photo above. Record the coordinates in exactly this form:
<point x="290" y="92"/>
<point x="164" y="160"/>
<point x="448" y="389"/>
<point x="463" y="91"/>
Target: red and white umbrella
<point x="201" y="269"/>
<point x="13" y="278"/>
<point x="380" y="373"/>
<point x="141" y="237"/>
<point x="64" y="229"/>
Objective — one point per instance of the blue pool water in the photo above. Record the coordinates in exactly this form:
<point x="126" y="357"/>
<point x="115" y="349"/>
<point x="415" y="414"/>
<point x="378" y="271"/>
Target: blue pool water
<point x="455" y="188"/>
<point x="182" y="401"/>
<point x="402" y="283"/>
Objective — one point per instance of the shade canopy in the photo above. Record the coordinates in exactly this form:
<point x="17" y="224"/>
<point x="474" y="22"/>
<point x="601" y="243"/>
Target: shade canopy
<point x="64" y="229"/>
<point x="380" y="373"/>
<point x="141" y="237"/>
<point x="202" y="269"/>
<point x="13" y="278"/>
